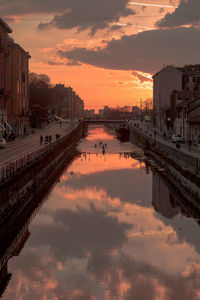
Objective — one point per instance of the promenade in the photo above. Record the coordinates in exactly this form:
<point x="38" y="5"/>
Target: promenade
<point x="148" y="129"/>
<point x="29" y="143"/>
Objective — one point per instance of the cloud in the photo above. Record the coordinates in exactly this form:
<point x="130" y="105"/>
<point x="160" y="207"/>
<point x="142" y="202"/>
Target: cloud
<point x="90" y="14"/>
<point x="147" y="51"/>
<point x="186" y="13"/>
<point x="68" y="14"/>
<point x="142" y="77"/>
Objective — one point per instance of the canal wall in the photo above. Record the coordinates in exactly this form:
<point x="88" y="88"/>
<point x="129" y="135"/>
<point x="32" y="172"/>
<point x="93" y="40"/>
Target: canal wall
<point x="181" y="168"/>
<point x="27" y="179"/>
<point x="27" y="202"/>
<point x="10" y="169"/>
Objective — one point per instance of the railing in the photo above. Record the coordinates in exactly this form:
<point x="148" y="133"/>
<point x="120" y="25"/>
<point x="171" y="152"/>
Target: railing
<point x="187" y="159"/>
<point x="10" y="167"/>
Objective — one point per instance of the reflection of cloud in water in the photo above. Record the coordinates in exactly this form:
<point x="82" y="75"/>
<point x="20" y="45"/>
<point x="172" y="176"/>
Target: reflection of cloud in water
<point x="98" y="237"/>
<point x="97" y="258"/>
<point x="91" y="163"/>
<point x="129" y="185"/>
<point x="75" y="233"/>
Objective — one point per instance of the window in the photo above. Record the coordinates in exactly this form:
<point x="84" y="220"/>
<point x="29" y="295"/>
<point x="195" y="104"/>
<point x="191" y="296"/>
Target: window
<point x="23" y="77"/>
<point x="194" y="79"/>
<point x="18" y="106"/>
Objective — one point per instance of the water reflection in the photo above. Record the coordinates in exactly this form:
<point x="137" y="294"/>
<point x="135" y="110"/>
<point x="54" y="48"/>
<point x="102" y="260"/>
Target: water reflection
<point x="111" y="229"/>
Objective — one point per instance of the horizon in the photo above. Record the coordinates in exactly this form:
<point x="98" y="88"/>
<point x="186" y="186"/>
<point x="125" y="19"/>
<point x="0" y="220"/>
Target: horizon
<point x="109" y="58"/>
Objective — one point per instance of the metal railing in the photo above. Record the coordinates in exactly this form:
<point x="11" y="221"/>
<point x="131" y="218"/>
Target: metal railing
<point x="15" y="164"/>
<point x="186" y="158"/>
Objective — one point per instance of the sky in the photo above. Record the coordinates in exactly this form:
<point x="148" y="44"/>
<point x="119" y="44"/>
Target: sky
<point x="106" y="50"/>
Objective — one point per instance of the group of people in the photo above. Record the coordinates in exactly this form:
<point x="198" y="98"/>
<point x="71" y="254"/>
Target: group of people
<point x="102" y="145"/>
<point x="48" y="138"/>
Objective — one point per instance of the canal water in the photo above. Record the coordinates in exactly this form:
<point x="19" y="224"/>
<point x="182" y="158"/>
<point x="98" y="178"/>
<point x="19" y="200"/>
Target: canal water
<point x="111" y="229"/>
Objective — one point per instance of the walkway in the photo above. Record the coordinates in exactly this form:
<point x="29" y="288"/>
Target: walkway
<point x="149" y="129"/>
<point x="31" y="142"/>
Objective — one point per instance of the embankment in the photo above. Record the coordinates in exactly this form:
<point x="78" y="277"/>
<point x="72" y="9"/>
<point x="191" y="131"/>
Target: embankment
<point x="181" y="169"/>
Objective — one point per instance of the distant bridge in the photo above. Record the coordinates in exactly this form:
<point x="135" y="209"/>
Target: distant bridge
<point x="106" y="121"/>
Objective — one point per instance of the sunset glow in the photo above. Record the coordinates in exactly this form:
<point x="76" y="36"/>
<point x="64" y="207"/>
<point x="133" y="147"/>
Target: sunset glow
<point x="98" y="80"/>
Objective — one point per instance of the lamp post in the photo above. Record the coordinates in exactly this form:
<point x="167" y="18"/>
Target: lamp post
<point x="183" y="121"/>
<point x="168" y="124"/>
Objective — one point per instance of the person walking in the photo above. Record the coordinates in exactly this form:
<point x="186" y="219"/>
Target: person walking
<point x="41" y="140"/>
<point x="189" y="145"/>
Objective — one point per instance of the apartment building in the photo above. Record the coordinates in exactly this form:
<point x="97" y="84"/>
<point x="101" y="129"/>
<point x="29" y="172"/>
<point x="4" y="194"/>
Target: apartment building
<point x="18" y="86"/>
<point x="5" y="30"/>
<point x="68" y="104"/>
<point x="183" y="80"/>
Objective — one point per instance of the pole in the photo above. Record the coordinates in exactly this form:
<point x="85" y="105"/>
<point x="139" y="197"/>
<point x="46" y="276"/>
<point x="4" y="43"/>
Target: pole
<point x="183" y="121"/>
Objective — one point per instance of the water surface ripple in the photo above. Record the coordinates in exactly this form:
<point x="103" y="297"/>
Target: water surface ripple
<point x="111" y="229"/>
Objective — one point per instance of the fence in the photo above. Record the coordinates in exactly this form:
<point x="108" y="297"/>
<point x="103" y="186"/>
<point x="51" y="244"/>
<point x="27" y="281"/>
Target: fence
<point x="187" y="159"/>
<point x="10" y="167"/>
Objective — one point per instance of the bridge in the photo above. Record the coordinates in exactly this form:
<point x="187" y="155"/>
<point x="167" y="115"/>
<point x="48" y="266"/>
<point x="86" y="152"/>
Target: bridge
<point x="104" y="121"/>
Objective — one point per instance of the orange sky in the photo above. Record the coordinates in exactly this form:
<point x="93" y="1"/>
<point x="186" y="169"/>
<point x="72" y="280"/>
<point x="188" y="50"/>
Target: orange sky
<point x="97" y="86"/>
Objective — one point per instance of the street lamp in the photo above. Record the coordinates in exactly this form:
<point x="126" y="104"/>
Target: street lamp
<point x="183" y="121"/>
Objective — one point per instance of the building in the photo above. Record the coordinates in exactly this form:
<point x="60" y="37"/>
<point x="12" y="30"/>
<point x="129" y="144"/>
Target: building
<point x="187" y="120"/>
<point x="164" y="83"/>
<point x="78" y="107"/>
<point x="68" y="104"/>
<point x="136" y="111"/>
<point x="18" y="85"/>
<point x="4" y="91"/>
<point x="183" y="80"/>
<point x="89" y="113"/>
<point x="70" y="107"/>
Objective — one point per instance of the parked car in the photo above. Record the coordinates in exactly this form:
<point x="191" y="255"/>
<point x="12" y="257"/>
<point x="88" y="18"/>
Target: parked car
<point x="2" y="143"/>
<point x="177" y="138"/>
<point x="11" y="137"/>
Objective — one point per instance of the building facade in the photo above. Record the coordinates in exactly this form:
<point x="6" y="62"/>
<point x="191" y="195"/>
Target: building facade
<point x="164" y="83"/>
<point x="184" y="82"/>
<point x="18" y="86"/>
<point x="68" y="104"/>
<point x="5" y="30"/>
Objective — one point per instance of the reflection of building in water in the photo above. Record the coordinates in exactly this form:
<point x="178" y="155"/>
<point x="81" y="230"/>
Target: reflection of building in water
<point x="162" y="199"/>
<point x="4" y="278"/>
<point x="4" y="275"/>
<point x="21" y="243"/>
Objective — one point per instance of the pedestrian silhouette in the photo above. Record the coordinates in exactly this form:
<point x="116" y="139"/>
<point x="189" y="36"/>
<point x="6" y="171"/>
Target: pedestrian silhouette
<point x="41" y="140"/>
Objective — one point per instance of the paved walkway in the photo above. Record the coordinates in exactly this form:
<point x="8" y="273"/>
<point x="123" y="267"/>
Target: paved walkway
<point x="148" y="129"/>
<point x="31" y="142"/>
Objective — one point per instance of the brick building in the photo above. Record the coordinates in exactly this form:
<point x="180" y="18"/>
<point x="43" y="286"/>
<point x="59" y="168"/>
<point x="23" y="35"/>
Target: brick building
<point x="18" y="86"/>
<point x="4" y="91"/>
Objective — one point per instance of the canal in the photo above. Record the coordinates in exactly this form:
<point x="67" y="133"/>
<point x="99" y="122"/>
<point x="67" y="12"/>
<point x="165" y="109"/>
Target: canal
<point x="111" y="228"/>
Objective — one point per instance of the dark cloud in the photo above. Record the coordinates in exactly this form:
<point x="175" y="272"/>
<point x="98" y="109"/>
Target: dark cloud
<point x="98" y="232"/>
<point x="186" y="13"/>
<point x="93" y="15"/>
<point x="120" y="187"/>
<point x="68" y="14"/>
<point x="147" y="51"/>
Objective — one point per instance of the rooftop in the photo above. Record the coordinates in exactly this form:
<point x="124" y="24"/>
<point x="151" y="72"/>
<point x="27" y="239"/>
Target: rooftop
<point x="5" y="26"/>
